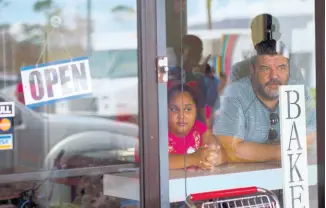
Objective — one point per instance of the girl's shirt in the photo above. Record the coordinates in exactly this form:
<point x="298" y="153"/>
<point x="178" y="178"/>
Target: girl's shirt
<point x="189" y="143"/>
<point x="183" y="145"/>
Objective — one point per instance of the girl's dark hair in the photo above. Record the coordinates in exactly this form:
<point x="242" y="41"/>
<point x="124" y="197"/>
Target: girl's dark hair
<point x="181" y="88"/>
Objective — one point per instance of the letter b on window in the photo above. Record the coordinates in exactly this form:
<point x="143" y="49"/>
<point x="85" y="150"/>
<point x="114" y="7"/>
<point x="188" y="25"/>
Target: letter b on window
<point x="292" y="102"/>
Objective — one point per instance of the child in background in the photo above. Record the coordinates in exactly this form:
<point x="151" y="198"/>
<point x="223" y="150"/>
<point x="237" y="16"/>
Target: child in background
<point x="210" y="96"/>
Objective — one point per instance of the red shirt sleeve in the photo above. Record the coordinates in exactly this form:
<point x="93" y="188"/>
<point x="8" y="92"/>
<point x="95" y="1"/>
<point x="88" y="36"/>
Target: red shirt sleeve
<point x="201" y="127"/>
<point x="19" y="87"/>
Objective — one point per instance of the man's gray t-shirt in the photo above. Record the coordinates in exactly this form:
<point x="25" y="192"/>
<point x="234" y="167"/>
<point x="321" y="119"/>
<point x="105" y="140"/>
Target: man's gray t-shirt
<point x="243" y="115"/>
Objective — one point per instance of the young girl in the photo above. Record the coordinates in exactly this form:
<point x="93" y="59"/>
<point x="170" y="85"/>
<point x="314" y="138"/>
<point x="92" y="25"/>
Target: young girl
<point x="188" y="137"/>
<point x="190" y="141"/>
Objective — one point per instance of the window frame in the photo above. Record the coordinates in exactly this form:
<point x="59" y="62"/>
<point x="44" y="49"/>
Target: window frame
<point x="153" y="145"/>
<point x="320" y="96"/>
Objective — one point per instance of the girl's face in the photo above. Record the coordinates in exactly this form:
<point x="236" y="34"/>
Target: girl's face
<point x="182" y="113"/>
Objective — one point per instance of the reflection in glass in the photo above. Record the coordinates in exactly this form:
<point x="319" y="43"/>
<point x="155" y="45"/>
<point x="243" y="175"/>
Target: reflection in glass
<point x="231" y="37"/>
<point x="63" y="149"/>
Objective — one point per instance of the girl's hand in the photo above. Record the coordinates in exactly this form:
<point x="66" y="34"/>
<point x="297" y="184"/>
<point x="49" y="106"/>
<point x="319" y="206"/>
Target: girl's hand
<point x="214" y="155"/>
<point x="221" y="156"/>
<point x="205" y="157"/>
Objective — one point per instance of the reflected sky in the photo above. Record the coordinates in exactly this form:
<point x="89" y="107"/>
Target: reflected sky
<point x="106" y="21"/>
<point x="101" y="13"/>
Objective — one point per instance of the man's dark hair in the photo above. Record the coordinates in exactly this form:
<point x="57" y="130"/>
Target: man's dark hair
<point x="268" y="47"/>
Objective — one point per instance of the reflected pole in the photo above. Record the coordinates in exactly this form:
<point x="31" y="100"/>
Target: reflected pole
<point x="4" y="50"/>
<point x="89" y="26"/>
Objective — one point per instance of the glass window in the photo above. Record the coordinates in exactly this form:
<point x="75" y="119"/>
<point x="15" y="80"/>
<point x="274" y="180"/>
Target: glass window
<point x="70" y="70"/>
<point x="224" y="113"/>
<point x="114" y="64"/>
<point x="8" y="80"/>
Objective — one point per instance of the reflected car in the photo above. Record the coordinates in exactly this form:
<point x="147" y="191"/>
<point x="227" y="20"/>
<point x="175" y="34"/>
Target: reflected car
<point x="86" y="141"/>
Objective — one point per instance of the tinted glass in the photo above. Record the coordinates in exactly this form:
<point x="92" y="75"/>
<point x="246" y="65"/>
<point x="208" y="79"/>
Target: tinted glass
<point x="230" y="59"/>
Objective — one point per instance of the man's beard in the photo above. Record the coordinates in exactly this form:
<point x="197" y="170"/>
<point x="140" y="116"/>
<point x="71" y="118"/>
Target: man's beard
<point x="266" y="93"/>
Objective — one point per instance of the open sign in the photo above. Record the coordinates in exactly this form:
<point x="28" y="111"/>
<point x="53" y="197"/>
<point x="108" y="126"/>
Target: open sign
<point x="50" y="82"/>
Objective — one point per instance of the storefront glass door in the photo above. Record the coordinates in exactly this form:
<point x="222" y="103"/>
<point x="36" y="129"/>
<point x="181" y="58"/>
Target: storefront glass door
<point x="227" y="62"/>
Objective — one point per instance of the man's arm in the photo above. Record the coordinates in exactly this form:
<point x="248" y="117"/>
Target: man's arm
<point x="239" y="150"/>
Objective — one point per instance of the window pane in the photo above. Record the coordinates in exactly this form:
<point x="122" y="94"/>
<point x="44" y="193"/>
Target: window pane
<point x="70" y="68"/>
<point x="224" y="90"/>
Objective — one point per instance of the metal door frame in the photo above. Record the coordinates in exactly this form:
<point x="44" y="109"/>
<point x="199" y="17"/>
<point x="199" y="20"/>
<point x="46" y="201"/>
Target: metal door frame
<point x="320" y="96"/>
<point x="153" y="145"/>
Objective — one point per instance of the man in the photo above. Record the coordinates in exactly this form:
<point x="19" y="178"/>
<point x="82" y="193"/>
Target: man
<point x="194" y="73"/>
<point x="263" y="27"/>
<point x="192" y="48"/>
<point x="248" y="125"/>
